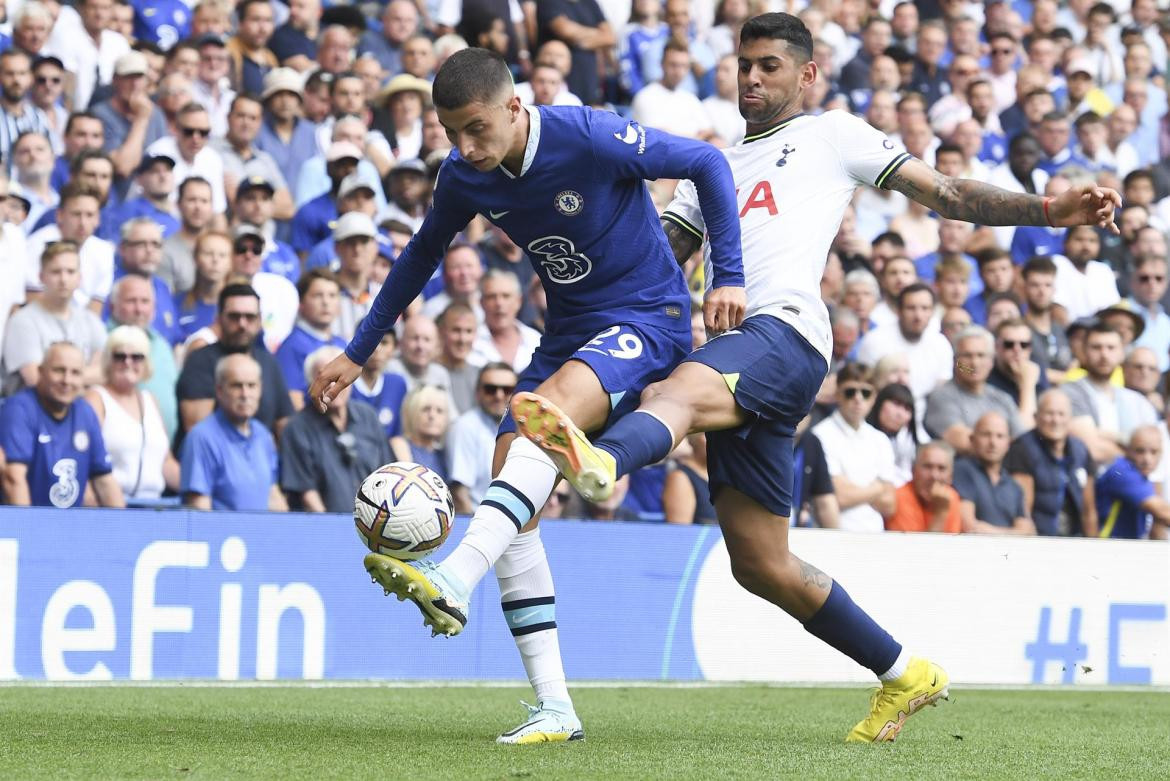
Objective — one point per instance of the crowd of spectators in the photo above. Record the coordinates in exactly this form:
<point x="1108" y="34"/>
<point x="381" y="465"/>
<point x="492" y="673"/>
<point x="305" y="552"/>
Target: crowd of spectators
<point x="200" y="201"/>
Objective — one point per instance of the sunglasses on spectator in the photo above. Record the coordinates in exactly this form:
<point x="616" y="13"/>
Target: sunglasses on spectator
<point x="253" y="247"/>
<point x="191" y="132"/>
<point x="1003" y="52"/>
<point x="1147" y="278"/>
<point x="43" y="80"/>
<point x="493" y="390"/>
<point x="249" y="317"/>
<point x="852" y="391"/>
<point x="128" y="357"/>
<point x="1011" y="344"/>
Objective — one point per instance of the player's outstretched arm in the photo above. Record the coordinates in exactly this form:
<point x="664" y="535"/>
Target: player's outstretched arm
<point x="985" y="204"/>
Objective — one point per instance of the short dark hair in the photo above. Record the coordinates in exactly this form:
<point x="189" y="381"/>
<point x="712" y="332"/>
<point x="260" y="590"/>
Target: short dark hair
<point x="84" y="156"/>
<point x="494" y="366"/>
<point x="1040" y="264"/>
<point x="949" y="148"/>
<point x="248" y="96"/>
<point x="911" y="289"/>
<point x="782" y="27"/>
<point x="995" y="298"/>
<point x="235" y="290"/>
<point x="453" y="309"/>
<point x="855" y="372"/>
<point x="74" y="190"/>
<point x="890" y="237"/>
<point x="307" y="279"/>
<point x="991" y="254"/>
<point x="1100" y="327"/>
<point x="191" y="180"/>
<point x="470" y="76"/>
<point x="1135" y="175"/>
<point x="76" y="115"/>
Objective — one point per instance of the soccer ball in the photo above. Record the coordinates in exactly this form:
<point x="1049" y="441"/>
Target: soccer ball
<point x="403" y="510"/>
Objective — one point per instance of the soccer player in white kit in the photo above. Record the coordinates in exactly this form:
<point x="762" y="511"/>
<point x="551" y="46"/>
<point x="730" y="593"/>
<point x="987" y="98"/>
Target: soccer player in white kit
<point x="749" y="387"/>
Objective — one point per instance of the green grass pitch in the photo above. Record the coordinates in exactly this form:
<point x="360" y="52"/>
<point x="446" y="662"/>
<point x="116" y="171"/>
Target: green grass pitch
<point x="373" y="732"/>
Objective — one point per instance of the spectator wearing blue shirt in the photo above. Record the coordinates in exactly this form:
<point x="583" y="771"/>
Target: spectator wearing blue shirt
<point x="358" y="193"/>
<point x="312" y="221"/>
<point x="1147" y="285"/>
<point x="94" y="170"/>
<point x="320" y="296"/>
<point x="140" y="252"/>
<point x="384" y="390"/>
<point x="998" y="274"/>
<point x="295" y="42"/>
<point x="990" y="500"/>
<point x="1054" y="469"/>
<point x="229" y="458"/>
<point x="161" y="22"/>
<point x="83" y="130"/>
<point x="284" y="133"/>
<point x="1032" y="241"/>
<point x="131" y="121"/>
<point x="213" y="262"/>
<point x="53" y="441"/>
<point x="1128" y="504"/>
<point x="255" y="206"/>
<point x="1055" y="137"/>
<point x="156" y="178"/>
<point x="644" y="37"/>
<point x="324" y="456"/>
<point x="399" y="23"/>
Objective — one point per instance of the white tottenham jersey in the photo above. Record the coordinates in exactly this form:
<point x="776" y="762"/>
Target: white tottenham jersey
<point x="793" y="183"/>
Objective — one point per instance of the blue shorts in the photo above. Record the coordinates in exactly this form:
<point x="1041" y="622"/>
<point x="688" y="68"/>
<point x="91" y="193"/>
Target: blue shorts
<point x="626" y="358"/>
<point x="774" y="375"/>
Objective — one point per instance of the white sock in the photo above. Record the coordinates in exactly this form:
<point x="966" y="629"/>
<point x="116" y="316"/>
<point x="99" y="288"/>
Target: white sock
<point x="514" y="496"/>
<point x="526" y="596"/>
<point x="899" y="668"/>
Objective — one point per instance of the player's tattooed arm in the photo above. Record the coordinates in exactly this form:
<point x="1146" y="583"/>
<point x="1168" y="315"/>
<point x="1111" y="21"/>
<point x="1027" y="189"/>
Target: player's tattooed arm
<point x="965" y="199"/>
<point x="811" y="576"/>
<point x="683" y="243"/>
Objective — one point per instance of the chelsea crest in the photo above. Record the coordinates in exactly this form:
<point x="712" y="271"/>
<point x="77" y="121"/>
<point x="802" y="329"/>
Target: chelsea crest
<point x="569" y="202"/>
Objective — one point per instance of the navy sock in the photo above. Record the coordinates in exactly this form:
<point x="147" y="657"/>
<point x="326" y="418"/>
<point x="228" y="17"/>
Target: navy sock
<point x="635" y="441"/>
<point x="849" y="629"/>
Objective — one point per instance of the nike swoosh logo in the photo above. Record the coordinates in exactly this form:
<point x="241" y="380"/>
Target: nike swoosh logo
<point x="522" y="617"/>
<point x="629" y="137"/>
<point x="934" y="681"/>
<point x="498" y="215"/>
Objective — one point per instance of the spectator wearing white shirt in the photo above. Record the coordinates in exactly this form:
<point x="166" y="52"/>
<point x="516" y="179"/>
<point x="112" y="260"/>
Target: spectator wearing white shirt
<point x="723" y="107"/>
<point x="1083" y="285"/>
<point x="279" y="300"/>
<point x="663" y="105"/>
<point x="472" y="438"/>
<point x="928" y="351"/>
<point x="77" y="219"/>
<point x="860" y="458"/>
<point x="462" y="272"/>
<point x="191" y="153"/>
<point x="502" y="337"/>
<point x="211" y="86"/>
<point x="90" y="57"/>
<point x="546" y="87"/>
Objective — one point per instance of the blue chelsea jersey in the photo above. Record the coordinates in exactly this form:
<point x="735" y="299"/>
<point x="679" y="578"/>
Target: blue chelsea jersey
<point x="161" y="22"/>
<point x="582" y="213"/>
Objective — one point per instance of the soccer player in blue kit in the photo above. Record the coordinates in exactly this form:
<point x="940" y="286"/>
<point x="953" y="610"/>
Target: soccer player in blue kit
<point x="749" y="387"/>
<point x="566" y="184"/>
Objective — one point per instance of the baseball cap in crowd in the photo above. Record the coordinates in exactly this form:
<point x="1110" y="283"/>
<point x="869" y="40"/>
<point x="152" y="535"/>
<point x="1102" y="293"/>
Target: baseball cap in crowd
<point x="413" y="165"/>
<point x="354" y="182"/>
<point x="254" y="183"/>
<point x="353" y="224"/>
<point x="131" y="64"/>
<point x="212" y="39"/>
<point x="283" y="80"/>
<point x="247" y="229"/>
<point x="149" y="161"/>
<point x="16" y="192"/>
<point x="342" y="150"/>
<point x="1126" y="310"/>
<point x="1082" y="65"/>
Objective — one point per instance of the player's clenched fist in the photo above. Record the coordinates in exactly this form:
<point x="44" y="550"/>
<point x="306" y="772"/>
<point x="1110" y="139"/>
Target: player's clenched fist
<point x="336" y="375"/>
<point x="723" y="308"/>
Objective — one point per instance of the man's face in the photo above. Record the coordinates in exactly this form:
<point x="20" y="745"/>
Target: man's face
<point x="214" y="63"/>
<point x="48" y="85"/>
<point x="678" y="15"/>
<point x="932" y="42"/>
<point x="1079" y="84"/>
<point x="861" y="299"/>
<point x="142" y="249"/>
<point x="1024" y="155"/>
<point x="61" y="379"/>
<point x="954" y="320"/>
<point x="239" y="321"/>
<point x="158" y="181"/>
<point x="854" y="400"/>
<point x="953" y="289"/>
<point x="247" y="255"/>
<point x="1082" y="245"/>
<point x="97" y="15"/>
<point x="973" y="361"/>
<point x="462" y="272"/>
<point x="420" y="342"/>
<point x="257" y="25"/>
<point x="771" y="77"/>
<point x="255" y="206"/>
<point x="333" y="55"/>
<point x="990" y="439"/>
<point x="1013" y="346"/>
<point x="195" y="206"/>
<point x="884" y="74"/>
<point x="408" y="188"/>
<point x="914" y="314"/>
<point x="15" y="78"/>
<point x="556" y="54"/>
<point x="1053" y="413"/>
<point x="1137" y="62"/>
<point x="357" y="255"/>
<point x="494" y="389"/>
<point x="134" y="302"/>
<point x="953" y="235"/>
<point x="399" y="22"/>
<point x="882" y="112"/>
<point x="1145" y="451"/>
<point x="500" y="300"/>
<point x="998" y="275"/>
<point x="1043" y="52"/>
<point x="897" y="274"/>
<point x="194" y="129"/>
<point x="418" y="57"/>
<point x="675" y="66"/>
<point x="1141" y="370"/>
<point x="1038" y="291"/>
<point x="371" y="73"/>
<point x="981" y="99"/>
<point x="304" y="13"/>
<point x="725" y="72"/>
<point x="1136" y="95"/>
<point x="244" y="121"/>
<point x="1053" y="136"/>
<point x="349" y="96"/>
<point x="238" y="393"/>
<point x="84" y="134"/>
<point x="932" y="467"/>
<point x="321" y="303"/>
<point x="61" y="276"/>
<point x="458" y="334"/>
<point x="213" y="259"/>
<point x="97" y="174"/>
<point x="285" y="106"/>
<point x="905" y="20"/>
<point x="361" y="200"/>
<point x="32" y="34"/>
<point x="876" y="38"/>
<point x="1103" y="352"/>
<point x="78" y="218"/>
<point x="546" y="85"/>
